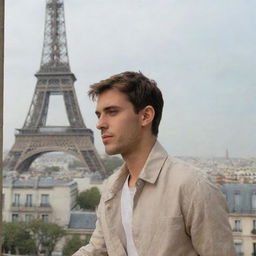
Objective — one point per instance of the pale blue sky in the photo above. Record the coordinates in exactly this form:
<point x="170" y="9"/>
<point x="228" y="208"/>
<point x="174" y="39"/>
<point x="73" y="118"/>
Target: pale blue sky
<point x="201" y="53"/>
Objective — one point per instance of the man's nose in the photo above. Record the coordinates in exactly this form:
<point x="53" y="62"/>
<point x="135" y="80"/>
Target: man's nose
<point x="101" y="124"/>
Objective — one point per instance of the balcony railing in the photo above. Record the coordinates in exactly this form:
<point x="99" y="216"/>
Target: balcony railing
<point x="45" y="205"/>
<point x="28" y="205"/>
<point x="243" y="211"/>
<point x="237" y="230"/>
<point x="31" y="208"/>
<point x="22" y="205"/>
<point x="23" y="208"/>
<point x="16" y="204"/>
<point x="56" y="129"/>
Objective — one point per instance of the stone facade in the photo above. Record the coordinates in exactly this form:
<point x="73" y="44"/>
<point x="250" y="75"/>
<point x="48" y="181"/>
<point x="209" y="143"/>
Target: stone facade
<point x="241" y="200"/>
<point x="48" y="199"/>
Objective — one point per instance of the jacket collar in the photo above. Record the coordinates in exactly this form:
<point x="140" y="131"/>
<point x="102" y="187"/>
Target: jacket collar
<point x="149" y="173"/>
<point x="116" y="182"/>
<point x="154" y="164"/>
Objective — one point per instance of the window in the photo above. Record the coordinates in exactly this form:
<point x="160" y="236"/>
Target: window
<point x="45" y="218"/>
<point x="254" y="224"/>
<point x="44" y="200"/>
<point x="28" y="218"/>
<point x="28" y="200"/>
<point x="15" y="217"/>
<point x="237" y="200"/>
<point x="254" y="201"/>
<point x="254" y="227"/>
<point x="2" y="201"/>
<point x="237" y="226"/>
<point x="16" y="200"/>
<point x="254" y="249"/>
<point x="238" y="247"/>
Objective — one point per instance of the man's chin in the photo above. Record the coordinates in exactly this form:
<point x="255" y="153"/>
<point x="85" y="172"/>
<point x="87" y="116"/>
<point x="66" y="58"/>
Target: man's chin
<point x="111" y="151"/>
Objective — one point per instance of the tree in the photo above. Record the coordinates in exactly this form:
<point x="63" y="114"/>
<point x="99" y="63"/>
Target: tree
<point x="74" y="164"/>
<point x="111" y="163"/>
<point x="73" y="244"/>
<point x="89" y="198"/>
<point x="45" y="235"/>
<point x="31" y="238"/>
<point x="17" y="239"/>
<point x="51" y="169"/>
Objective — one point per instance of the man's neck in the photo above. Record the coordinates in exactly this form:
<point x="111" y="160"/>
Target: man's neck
<point x="136" y="160"/>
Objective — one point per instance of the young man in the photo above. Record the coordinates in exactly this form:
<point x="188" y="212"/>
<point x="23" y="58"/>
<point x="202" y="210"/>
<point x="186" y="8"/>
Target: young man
<point x="155" y="205"/>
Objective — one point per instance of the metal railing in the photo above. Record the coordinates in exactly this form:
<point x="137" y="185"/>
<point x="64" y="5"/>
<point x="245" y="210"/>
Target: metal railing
<point x="243" y="211"/>
<point x="55" y="129"/>
<point x="237" y="230"/>
<point x="47" y="205"/>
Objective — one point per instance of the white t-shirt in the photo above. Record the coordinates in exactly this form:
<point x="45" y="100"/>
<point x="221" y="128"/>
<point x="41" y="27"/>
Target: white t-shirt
<point x="126" y="213"/>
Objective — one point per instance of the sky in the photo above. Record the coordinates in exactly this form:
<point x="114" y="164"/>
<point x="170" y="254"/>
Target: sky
<point x="202" y="54"/>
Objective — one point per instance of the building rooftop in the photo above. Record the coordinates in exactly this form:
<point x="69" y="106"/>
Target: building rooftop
<point x="35" y="182"/>
<point x="82" y="220"/>
<point x="241" y="198"/>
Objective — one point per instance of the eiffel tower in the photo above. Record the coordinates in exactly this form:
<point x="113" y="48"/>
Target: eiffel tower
<point x="54" y="78"/>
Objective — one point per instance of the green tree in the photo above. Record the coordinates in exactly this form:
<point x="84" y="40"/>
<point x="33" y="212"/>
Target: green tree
<point x="17" y="238"/>
<point x="73" y="244"/>
<point x="45" y="235"/>
<point x="74" y="164"/>
<point x="51" y="169"/>
<point x="111" y="163"/>
<point x="89" y="198"/>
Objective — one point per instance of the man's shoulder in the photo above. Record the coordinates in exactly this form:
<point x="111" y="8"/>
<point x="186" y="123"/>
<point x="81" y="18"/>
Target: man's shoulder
<point x="183" y="169"/>
<point x="172" y="169"/>
<point x="184" y="174"/>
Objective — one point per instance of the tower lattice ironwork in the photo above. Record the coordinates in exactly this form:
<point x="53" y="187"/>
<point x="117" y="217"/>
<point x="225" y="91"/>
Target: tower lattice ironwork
<point x="53" y="78"/>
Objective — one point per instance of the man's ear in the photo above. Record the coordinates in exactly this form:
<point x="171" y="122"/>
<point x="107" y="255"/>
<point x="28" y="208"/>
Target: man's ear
<point x="147" y="115"/>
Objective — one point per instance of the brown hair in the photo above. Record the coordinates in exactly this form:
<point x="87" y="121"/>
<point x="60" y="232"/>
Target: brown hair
<point x="141" y="92"/>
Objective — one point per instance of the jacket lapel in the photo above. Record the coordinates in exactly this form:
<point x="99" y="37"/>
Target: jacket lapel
<point x="112" y="202"/>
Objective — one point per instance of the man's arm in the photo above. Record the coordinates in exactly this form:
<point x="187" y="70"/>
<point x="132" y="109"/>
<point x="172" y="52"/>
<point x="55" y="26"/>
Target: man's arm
<point x="207" y="221"/>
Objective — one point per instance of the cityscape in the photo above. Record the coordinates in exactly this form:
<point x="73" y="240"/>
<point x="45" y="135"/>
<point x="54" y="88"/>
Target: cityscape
<point x="50" y="188"/>
<point x="53" y="175"/>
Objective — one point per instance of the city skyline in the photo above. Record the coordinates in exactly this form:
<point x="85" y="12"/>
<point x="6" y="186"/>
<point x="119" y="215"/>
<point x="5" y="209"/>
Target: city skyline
<point x="200" y="54"/>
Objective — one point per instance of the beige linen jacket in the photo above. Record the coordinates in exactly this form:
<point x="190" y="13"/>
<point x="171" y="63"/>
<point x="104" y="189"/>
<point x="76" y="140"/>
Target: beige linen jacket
<point x="177" y="212"/>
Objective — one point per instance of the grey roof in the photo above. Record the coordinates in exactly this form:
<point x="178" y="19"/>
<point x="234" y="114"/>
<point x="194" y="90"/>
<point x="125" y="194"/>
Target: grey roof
<point x="35" y="183"/>
<point x="82" y="220"/>
<point x="245" y="194"/>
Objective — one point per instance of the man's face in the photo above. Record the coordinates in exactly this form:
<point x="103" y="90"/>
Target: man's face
<point x="119" y="125"/>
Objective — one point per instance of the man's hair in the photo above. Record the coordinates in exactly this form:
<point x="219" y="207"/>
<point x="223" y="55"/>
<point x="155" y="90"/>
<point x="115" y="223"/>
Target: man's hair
<point x="141" y="92"/>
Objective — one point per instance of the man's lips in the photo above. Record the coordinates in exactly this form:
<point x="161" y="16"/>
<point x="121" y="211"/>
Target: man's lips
<point x="106" y="138"/>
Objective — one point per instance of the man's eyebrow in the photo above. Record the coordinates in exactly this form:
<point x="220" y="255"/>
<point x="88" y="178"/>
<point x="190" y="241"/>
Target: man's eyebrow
<point x="111" y="107"/>
<point x="108" y="108"/>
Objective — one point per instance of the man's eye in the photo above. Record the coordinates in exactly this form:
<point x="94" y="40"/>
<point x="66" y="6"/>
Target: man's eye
<point x="112" y="112"/>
